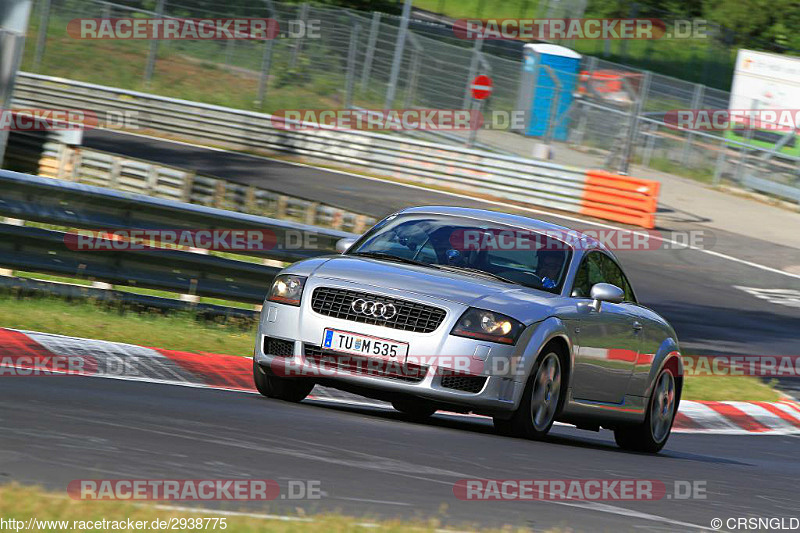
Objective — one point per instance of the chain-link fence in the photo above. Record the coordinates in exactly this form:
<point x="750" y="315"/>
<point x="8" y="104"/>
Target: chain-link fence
<point x="345" y="59"/>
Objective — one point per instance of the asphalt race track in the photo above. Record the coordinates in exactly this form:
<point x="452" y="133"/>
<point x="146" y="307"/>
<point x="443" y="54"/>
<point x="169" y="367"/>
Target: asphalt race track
<point x="371" y="462"/>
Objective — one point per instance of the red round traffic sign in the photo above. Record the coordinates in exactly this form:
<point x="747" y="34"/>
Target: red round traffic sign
<point x="481" y="87"/>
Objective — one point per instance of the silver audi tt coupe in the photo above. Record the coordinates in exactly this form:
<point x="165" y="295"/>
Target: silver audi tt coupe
<point x="468" y="310"/>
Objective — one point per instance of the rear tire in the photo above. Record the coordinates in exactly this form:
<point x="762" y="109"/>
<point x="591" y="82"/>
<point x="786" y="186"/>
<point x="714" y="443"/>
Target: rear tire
<point x="651" y="435"/>
<point x="414" y="409"/>
<point x="286" y="389"/>
<point x="540" y="403"/>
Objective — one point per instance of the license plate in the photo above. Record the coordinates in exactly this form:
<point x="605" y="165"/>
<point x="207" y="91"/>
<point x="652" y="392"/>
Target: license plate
<point x="354" y="343"/>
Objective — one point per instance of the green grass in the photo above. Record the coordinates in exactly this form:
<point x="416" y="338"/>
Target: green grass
<point x="176" y="331"/>
<point x="182" y="331"/>
<point x="739" y="388"/>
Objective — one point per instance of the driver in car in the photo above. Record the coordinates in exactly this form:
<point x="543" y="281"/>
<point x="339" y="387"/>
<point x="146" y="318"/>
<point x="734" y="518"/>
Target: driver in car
<point x="548" y="267"/>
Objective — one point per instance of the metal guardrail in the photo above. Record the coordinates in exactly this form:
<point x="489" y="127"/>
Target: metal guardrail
<point x="527" y="181"/>
<point x="74" y="205"/>
<point x="40" y="288"/>
<point x="40" y="250"/>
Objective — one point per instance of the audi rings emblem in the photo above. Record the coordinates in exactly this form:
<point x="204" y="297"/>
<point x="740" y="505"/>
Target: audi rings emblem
<point x="374" y="309"/>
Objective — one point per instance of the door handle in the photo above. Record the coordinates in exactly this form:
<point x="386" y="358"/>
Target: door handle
<point x="637" y="326"/>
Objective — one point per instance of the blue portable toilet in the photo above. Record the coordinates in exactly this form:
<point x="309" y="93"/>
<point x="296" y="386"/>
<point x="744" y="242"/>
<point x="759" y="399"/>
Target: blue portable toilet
<point x="537" y="87"/>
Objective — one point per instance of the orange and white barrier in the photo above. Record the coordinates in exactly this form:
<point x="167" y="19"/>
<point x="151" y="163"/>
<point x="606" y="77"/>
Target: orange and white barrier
<point x="620" y="198"/>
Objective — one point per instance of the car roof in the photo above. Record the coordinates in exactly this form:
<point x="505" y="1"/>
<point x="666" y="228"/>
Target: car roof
<point x="508" y="219"/>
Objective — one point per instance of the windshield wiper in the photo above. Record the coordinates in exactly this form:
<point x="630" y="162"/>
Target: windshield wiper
<point x="477" y="271"/>
<point x="390" y="257"/>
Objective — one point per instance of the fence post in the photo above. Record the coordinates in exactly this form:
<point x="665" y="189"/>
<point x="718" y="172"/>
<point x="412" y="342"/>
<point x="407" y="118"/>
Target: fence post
<point x="649" y="145"/>
<point x="723" y="148"/>
<point x="266" y="60"/>
<point x="633" y="12"/>
<point x="697" y="101"/>
<point x="582" y="122"/>
<point x="188" y="185"/>
<point x="743" y="158"/>
<point x="398" y="55"/>
<point x="299" y="41"/>
<point x="636" y="110"/>
<point x="113" y="175"/>
<point x="411" y="90"/>
<point x="351" y="66"/>
<point x="473" y="71"/>
<point x="229" y="51"/>
<point x="374" y="28"/>
<point x="41" y="38"/>
<point x="151" y="56"/>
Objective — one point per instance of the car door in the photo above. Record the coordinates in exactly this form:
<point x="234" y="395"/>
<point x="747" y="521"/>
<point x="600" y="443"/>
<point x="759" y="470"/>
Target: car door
<point x="609" y="339"/>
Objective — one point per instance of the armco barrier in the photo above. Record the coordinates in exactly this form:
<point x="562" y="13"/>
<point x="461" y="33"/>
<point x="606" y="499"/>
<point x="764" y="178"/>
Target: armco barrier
<point x="74" y="205"/>
<point x="521" y="180"/>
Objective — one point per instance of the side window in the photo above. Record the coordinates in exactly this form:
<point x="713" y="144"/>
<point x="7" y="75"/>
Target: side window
<point x="613" y="274"/>
<point x="589" y="272"/>
<point x="595" y="268"/>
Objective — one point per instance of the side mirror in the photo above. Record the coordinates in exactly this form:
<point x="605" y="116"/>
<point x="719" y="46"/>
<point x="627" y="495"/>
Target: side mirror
<point x="606" y="292"/>
<point x="342" y="245"/>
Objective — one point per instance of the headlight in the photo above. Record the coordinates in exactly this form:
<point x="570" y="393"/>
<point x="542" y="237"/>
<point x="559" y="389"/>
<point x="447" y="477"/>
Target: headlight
<point x="287" y="289"/>
<point x="488" y="325"/>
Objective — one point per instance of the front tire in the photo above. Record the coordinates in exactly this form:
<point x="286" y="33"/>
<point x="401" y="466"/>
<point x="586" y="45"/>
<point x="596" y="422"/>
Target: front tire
<point x="652" y="434"/>
<point x="286" y="389"/>
<point x="540" y="401"/>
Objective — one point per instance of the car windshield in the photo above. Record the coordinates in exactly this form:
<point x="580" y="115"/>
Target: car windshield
<point x="471" y="246"/>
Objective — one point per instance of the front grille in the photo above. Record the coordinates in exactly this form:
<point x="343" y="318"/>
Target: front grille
<point x="278" y="347"/>
<point x="327" y="360"/>
<point x="472" y="384"/>
<point x="410" y="316"/>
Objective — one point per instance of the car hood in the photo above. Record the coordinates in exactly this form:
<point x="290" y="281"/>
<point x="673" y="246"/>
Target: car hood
<point x="525" y="304"/>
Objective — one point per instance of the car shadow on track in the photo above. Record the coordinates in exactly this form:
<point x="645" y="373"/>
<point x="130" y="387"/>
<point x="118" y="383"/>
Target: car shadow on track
<point x="484" y="426"/>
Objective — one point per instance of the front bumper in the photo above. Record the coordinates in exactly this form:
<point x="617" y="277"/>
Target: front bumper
<point x="304" y="328"/>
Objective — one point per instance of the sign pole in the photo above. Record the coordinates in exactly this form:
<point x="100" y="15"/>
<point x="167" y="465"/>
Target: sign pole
<point x="481" y="88"/>
<point x="477" y="105"/>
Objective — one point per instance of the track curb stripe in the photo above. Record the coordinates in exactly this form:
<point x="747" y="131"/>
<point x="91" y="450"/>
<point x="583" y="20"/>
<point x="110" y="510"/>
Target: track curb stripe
<point x="234" y="373"/>
<point x="739" y="417"/>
